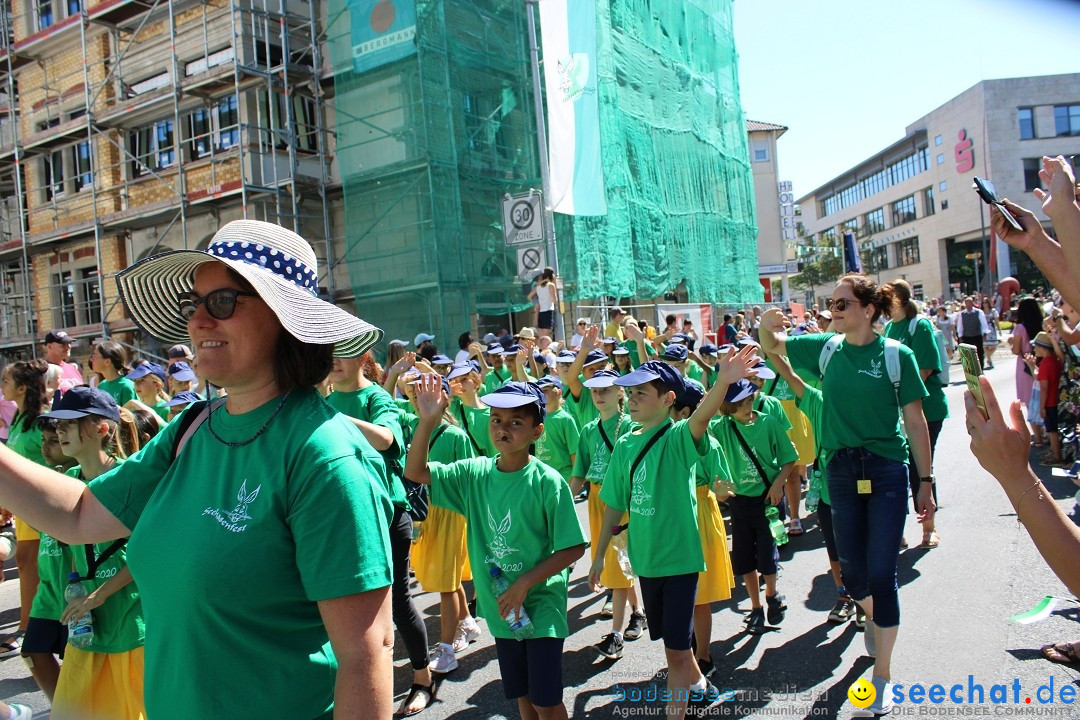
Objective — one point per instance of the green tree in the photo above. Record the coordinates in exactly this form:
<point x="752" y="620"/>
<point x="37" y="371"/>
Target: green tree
<point x="826" y="269"/>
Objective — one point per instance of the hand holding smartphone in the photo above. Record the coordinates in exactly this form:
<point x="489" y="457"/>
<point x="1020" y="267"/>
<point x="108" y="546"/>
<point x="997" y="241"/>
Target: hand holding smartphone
<point x="986" y="191"/>
<point x="969" y="359"/>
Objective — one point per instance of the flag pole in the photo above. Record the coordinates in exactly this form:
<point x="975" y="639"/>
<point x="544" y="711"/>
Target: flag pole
<point x="545" y="175"/>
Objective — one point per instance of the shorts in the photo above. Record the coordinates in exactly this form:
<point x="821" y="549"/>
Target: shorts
<point x="532" y="668"/>
<point x="752" y="545"/>
<point x="1050" y="418"/>
<point x="546" y="321"/>
<point x="47" y="637"/>
<point x="669" y="607"/>
<point x="824" y="519"/>
<point x="25" y="532"/>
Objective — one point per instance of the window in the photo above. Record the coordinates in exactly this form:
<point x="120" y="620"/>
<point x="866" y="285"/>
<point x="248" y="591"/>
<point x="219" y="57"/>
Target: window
<point x="928" y="201"/>
<point x="879" y="258"/>
<point x="1027" y="123"/>
<point x="74" y="7"/>
<point x="937" y="140"/>
<point x="896" y="172"/>
<point x="89" y="294"/>
<point x="228" y="123"/>
<point x="199" y="134"/>
<point x="145" y="86"/>
<point x="63" y="301"/>
<point x="907" y="252"/>
<point x="1067" y="120"/>
<point x="217" y="128"/>
<point x="303" y="126"/>
<point x="1031" y="174"/>
<point x="942" y="186"/>
<point x="944" y="204"/>
<point x="52" y="168"/>
<point x="875" y="221"/>
<point x="761" y="151"/>
<point x="903" y="211"/>
<point x="940" y="159"/>
<point x="82" y="165"/>
<point x="43" y="9"/>
<point x="152" y="148"/>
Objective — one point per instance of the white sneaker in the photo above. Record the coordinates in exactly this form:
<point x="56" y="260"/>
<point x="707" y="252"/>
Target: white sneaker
<point x="467" y="632"/>
<point x="444" y="660"/>
<point x="883" y="700"/>
<point x="21" y="712"/>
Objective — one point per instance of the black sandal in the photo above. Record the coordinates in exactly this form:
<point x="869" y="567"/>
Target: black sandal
<point x="415" y="690"/>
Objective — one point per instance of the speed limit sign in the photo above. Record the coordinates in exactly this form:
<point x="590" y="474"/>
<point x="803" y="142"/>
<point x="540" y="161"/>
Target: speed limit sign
<point x="523" y="220"/>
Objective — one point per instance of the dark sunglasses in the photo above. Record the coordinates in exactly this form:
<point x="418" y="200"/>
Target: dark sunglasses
<point x="842" y="304"/>
<point x="220" y="304"/>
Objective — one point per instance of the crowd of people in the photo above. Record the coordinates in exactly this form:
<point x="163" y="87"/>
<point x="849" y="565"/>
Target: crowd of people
<point x="273" y="488"/>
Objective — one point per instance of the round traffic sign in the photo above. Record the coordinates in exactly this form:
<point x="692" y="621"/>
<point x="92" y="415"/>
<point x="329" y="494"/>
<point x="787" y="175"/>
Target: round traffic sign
<point x="530" y="259"/>
<point x="521" y="215"/>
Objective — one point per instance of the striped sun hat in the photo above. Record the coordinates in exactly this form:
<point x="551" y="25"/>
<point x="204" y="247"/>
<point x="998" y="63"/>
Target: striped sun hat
<point x="279" y="264"/>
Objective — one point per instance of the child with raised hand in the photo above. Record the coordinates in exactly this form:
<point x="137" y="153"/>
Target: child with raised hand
<point x="522" y="529"/>
<point x="465" y="407"/>
<point x="716" y="581"/>
<point x="809" y="402"/>
<point x="597" y="440"/>
<point x="651" y="476"/>
<point x="559" y="441"/>
<point x="705" y="360"/>
<point x="105" y="678"/>
<point x="589" y="361"/>
<point x="439" y="557"/>
<point x="760" y="456"/>
<point x="498" y="374"/>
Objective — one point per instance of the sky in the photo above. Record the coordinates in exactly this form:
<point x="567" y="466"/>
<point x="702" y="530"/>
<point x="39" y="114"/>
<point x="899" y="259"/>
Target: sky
<point x="847" y="76"/>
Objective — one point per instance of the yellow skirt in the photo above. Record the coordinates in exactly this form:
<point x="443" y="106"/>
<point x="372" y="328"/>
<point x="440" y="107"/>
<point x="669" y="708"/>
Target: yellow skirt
<point x="439" y="556"/>
<point x="612" y="577"/>
<point x="24" y="531"/>
<point x="103" y="686"/>
<point x="717" y="581"/>
<point x="801" y="433"/>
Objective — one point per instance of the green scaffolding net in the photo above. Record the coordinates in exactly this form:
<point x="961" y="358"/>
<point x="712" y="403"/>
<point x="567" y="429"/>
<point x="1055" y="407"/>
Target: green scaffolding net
<point x="434" y="120"/>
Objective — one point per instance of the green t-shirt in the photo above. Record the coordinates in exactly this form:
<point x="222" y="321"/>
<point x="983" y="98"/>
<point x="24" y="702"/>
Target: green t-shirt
<point x="812" y="405"/>
<point x="495" y="379"/>
<point x="374" y="405"/>
<point x="593" y="453"/>
<point x="709" y="378"/>
<point x="450" y="443"/>
<point x="714" y="465"/>
<point x="118" y="622"/>
<point x="121" y="389"/>
<point x="54" y="566"/>
<point x="770" y="443"/>
<point x="515" y="521"/>
<point x="582" y="408"/>
<point x="860" y="404"/>
<point x="663" y="534"/>
<point x="476" y="422"/>
<point x="635" y="356"/>
<point x="236" y="546"/>
<point x="769" y="405"/>
<point x="26" y="442"/>
<point x="694" y="372"/>
<point x="162" y="409"/>
<point x="558" y="442"/>
<point x="777" y="387"/>
<point x="923" y="344"/>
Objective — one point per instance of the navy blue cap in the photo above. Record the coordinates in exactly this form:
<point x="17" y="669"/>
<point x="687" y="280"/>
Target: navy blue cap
<point x="475" y="364"/>
<point x="743" y="342"/>
<point x="675" y="353"/>
<point x="459" y="370"/>
<point x="444" y="380"/>
<point x="82" y="400"/>
<point x="620" y="351"/>
<point x="566" y="357"/>
<point x="764" y="372"/>
<point x="709" y="349"/>
<point x="679" y="338"/>
<point x="495" y="349"/>
<point x="595" y="357"/>
<point x="602" y="379"/>
<point x="610" y="341"/>
<point x="148" y="369"/>
<point x="740" y="390"/>
<point x="514" y="348"/>
<point x="183" y="398"/>
<point x="516" y="394"/>
<point x="441" y="360"/>
<point x="691" y="396"/>
<point x="549" y="381"/>
<point x="182" y="371"/>
<point x="654" y="370"/>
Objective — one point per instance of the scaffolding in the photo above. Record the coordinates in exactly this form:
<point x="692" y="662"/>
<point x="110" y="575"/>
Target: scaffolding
<point x="130" y="127"/>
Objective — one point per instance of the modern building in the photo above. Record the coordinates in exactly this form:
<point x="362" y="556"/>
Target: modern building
<point x="776" y="219"/>
<point x="912" y="206"/>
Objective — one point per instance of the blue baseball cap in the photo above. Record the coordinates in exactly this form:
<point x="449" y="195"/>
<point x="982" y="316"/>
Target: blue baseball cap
<point x="709" y="349"/>
<point x="620" y="351"/>
<point x="610" y="341"/>
<point x="678" y="338"/>
<point x="514" y="348"/>
<point x="566" y="357"/>
<point x="743" y="342"/>
<point x="602" y="379"/>
<point x="549" y="381"/>
<point x="675" y="353"/>
<point x="764" y="372"/>
<point x="495" y="349"/>
<point x="459" y="370"/>
<point x="691" y="396"/>
<point x="654" y="370"/>
<point x="184" y="398"/>
<point x="516" y="394"/>
<point x="148" y="369"/>
<point x="81" y="401"/>
<point x="182" y="371"/>
<point x="445" y="381"/>
<point x="422" y="338"/>
<point x="595" y="357"/>
<point x="441" y="360"/>
<point x="740" y="390"/>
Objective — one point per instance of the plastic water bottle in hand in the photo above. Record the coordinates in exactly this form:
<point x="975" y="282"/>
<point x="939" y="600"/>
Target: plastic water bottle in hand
<point x="81" y="631"/>
<point x="813" y="496"/>
<point x="776" y="527"/>
<point x="619" y="535"/>
<point x="519" y="622"/>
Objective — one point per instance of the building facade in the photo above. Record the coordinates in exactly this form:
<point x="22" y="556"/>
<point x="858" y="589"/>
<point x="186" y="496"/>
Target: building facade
<point x="776" y="219"/>
<point x="912" y="207"/>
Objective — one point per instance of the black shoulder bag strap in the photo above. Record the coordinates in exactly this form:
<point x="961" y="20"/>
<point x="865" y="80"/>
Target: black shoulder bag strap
<point x="465" y="425"/>
<point x="93" y="564"/>
<point x="772" y="386"/>
<point x="606" y="439"/>
<point x="435" y="436"/>
<point x="641" y="456"/>
<point x="753" y="457"/>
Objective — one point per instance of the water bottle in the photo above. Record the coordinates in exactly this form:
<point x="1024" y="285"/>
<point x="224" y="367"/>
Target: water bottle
<point x="813" y="495"/>
<point x="618" y="541"/>
<point x="417" y="530"/>
<point x="520" y="624"/>
<point x="81" y="631"/>
<point x="776" y="527"/>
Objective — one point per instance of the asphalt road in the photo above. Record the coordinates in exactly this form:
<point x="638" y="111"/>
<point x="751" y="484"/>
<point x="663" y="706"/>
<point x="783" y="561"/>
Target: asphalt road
<point x="956" y="601"/>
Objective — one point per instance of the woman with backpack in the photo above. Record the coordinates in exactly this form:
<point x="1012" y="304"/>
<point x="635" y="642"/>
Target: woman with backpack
<point x="911" y="328"/>
<point x="865" y="452"/>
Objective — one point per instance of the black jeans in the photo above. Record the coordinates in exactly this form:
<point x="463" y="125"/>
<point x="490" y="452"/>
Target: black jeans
<point x="977" y="341"/>
<point x="406" y="618"/>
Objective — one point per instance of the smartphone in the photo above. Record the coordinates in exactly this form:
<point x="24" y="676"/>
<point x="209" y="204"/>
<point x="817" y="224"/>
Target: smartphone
<point x="969" y="359"/>
<point x="986" y="191"/>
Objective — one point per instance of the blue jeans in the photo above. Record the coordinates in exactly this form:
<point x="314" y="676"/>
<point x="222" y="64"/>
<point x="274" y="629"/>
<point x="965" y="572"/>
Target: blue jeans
<point x="868" y="527"/>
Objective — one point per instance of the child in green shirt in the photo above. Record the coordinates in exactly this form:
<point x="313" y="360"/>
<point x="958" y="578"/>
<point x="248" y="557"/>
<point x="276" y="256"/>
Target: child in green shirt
<point x="522" y="528"/>
<point x="651" y="477"/>
<point x="558" y="443"/>
<point x="760" y="456"/>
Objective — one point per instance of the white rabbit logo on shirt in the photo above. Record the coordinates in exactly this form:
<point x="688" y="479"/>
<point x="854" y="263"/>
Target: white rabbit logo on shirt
<point x="874" y="371"/>
<point x="231" y="519"/>
<point x="638" y="496"/>
<point x="498" y="546"/>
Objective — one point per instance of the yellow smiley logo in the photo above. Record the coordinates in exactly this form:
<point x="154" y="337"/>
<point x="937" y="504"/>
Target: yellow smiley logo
<point x="861" y="693"/>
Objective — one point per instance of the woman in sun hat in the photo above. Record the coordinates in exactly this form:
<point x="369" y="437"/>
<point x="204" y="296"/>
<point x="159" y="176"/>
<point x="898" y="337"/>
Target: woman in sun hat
<point x="265" y="537"/>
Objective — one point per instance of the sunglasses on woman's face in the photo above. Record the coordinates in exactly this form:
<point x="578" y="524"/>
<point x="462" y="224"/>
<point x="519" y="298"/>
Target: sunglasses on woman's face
<point x="220" y="304"/>
<point x="842" y="304"/>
